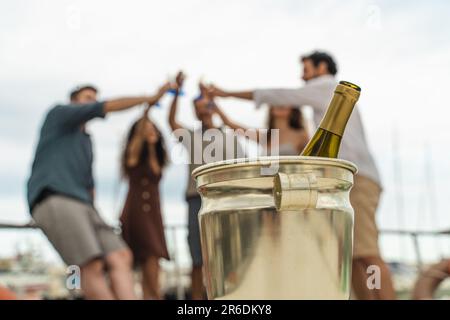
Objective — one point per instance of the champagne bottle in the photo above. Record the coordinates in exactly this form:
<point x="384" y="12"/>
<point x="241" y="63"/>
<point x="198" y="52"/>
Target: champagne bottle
<point x="327" y="138"/>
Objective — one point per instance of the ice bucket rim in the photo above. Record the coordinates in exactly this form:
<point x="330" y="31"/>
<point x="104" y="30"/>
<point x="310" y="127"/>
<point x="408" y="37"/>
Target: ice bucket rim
<point x="266" y="161"/>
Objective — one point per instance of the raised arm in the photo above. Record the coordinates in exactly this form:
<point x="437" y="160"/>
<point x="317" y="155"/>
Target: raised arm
<point x="307" y="95"/>
<point x="173" y="107"/>
<point x="226" y="120"/>
<point x="136" y="143"/>
<point x="310" y="96"/>
<point x="126" y="103"/>
<point x="215" y="91"/>
<point x="74" y="115"/>
<point x="233" y="125"/>
<point x="212" y="92"/>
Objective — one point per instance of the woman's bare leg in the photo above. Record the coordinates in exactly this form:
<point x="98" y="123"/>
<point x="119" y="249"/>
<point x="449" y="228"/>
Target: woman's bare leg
<point x="197" y="284"/>
<point x="150" y="279"/>
<point x="120" y="271"/>
<point x="93" y="282"/>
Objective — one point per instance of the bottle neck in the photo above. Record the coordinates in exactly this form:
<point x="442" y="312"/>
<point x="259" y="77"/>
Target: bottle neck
<point x="339" y="110"/>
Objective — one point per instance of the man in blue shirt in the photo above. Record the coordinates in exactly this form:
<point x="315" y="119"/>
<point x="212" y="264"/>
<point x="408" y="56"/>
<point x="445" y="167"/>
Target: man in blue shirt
<point x="60" y="193"/>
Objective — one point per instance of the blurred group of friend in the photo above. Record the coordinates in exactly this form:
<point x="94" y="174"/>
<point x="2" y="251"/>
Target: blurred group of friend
<point x="61" y="187"/>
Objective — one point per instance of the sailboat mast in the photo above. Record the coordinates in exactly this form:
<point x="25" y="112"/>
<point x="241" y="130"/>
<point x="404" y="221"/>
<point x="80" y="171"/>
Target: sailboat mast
<point x="398" y="182"/>
<point x="432" y="200"/>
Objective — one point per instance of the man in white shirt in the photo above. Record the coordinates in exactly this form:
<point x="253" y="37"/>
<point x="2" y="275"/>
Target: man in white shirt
<point x="319" y="70"/>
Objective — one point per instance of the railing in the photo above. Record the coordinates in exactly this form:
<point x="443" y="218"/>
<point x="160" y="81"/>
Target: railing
<point x="415" y="235"/>
<point x="29" y="225"/>
<point x="173" y="232"/>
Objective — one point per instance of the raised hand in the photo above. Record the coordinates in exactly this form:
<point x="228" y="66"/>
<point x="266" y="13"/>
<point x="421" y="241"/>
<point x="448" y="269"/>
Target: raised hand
<point x="179" y="80"/>
<point x="159" y="94"/>
<point x="216" y="92"/>
<point x="203" y="89"/>
<point x="164" y="88"/>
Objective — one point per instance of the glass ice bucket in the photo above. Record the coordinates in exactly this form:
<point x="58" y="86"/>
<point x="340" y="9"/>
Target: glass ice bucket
<point x="276" y="228"/>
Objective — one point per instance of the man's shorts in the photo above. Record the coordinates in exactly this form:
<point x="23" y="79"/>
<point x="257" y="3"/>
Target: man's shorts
<point x="75" y="229"/>
<point x="364" y="198"/>
<point x="194" y="205"/>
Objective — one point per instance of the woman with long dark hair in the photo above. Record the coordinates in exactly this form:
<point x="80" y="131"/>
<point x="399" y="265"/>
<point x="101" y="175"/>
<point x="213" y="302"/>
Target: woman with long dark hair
<point x="293" y="134"/>
<point x="143" y="160"/>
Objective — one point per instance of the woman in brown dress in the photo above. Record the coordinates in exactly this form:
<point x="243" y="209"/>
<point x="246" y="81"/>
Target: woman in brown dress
<point x="143" y="159"/>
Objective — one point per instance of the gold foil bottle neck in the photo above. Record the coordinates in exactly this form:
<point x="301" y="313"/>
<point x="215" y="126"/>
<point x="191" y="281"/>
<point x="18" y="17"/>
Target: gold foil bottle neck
<point x="341" y="106"/>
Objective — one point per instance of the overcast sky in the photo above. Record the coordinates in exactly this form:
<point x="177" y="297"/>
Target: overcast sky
<point x="398" y="53"/>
